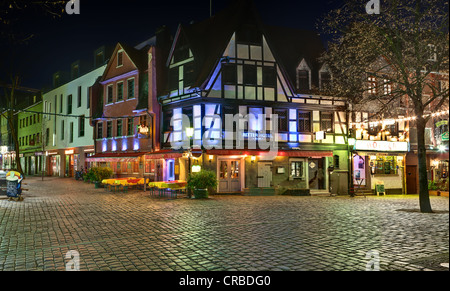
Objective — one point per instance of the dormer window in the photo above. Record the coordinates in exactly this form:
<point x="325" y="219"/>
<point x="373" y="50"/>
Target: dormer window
<point x="303" y="76"/>
<point x="324" y="78"/>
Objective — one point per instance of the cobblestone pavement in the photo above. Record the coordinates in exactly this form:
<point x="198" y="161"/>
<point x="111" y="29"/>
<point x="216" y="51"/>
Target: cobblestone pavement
<point x="133" y="231"/>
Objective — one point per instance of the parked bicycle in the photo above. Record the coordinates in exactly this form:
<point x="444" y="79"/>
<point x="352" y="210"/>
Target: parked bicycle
<point x="79" y="175"/>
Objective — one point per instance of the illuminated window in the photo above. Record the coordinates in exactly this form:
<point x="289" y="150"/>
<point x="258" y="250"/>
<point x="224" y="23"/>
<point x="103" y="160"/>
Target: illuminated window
<point x="372" y="85"/>
<point x="326" y="121"/>
<point x="297" y="169"/>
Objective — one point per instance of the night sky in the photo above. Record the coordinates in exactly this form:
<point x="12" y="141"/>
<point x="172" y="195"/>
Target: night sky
<point x="59" y="42"/>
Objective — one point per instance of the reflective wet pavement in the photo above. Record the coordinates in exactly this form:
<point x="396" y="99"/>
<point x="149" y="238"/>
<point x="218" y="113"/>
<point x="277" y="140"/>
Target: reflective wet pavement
<point x="133" y="231"/>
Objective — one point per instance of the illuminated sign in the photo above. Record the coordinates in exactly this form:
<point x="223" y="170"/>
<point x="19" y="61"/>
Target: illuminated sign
<point x="69" y="152"/>
<point x="196" y="168"/>
<point x="381" y="146"/>
<point x="256" y="135"/>
<point x="3" y="149"/>
<point x="144" y="130"/>
<point x="320" y="135"/>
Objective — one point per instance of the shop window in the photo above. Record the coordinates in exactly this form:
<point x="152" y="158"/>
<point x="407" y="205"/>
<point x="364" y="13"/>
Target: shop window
<point x="297" y="170"/>
<point x="386" y="165"/>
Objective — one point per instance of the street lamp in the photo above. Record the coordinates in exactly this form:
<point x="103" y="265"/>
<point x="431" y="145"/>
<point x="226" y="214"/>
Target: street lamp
<point x="189" y="135"/>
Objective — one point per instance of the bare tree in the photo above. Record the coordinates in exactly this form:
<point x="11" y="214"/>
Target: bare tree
<point x="406" y="47"/>
<point x="12" y="35"/>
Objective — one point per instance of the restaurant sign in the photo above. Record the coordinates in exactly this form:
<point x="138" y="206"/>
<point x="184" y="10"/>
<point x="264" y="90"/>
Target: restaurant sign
<point x="381" y="146"/>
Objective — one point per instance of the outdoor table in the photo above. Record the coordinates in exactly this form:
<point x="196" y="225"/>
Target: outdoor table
<point x="173" y="186"/>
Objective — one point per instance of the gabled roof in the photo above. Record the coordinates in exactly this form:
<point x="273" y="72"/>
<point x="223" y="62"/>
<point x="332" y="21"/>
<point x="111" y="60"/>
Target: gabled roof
<point x="138" y="57"/>
<point x="208" y="40"/>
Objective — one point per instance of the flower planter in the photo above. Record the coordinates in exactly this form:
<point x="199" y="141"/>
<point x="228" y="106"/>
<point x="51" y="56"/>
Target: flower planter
<point x="444" y="193"/>
<point x="201" y="193"/>
<point x="434" y="192"/>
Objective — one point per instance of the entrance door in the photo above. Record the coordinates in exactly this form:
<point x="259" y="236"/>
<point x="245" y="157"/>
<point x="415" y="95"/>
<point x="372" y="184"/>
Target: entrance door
<point x="316" y="174"/>
<point x="229" y="176"/>
<point x="411" y="179"/>
<point x="264" y="175"/>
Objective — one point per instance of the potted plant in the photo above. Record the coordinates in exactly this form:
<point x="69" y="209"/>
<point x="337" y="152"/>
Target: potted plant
<point x="444" y="188"/>
<point x="99" y="174"/>
<point x="201" y="183"/>
<point x="433" y="188"/>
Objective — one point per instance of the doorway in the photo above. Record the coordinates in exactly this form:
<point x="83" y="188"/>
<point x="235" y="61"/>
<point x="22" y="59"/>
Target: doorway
<point x="264" y="175"/>
<point x="229" y="176"/>
<point x="411" y="179"/>
<point x="316" y="174"/>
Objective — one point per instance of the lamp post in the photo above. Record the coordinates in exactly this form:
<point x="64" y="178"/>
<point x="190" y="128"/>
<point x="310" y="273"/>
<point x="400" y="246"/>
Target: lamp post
<point x="189" y="135"/>
<point x="351" y="146"/>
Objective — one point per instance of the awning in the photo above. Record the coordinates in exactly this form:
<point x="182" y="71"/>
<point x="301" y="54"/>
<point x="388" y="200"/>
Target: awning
<point x="115" y="157"/>
<point x="296" y="153"/>
<point x="164" y="154"/>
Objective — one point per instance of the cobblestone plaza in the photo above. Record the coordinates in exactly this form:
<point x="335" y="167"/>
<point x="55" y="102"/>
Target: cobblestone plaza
<point x="136" y="232"/>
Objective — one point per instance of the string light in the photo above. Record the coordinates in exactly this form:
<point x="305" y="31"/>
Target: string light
<point x="411" y="118"/>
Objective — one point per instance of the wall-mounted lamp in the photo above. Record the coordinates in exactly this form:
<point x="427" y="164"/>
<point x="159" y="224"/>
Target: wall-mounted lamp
<point x="190" y="132"/>
<point x="210" y="158"/>
<point x="253" y="159"/>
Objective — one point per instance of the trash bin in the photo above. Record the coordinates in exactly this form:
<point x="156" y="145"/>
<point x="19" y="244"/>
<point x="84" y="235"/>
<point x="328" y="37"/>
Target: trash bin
<point x="14" y="185"/>
<point x="12" y="189"/>
<point x="2" y="183"/>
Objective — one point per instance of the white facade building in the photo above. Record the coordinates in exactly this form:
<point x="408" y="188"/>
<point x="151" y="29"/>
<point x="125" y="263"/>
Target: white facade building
<point x="68" y="136"/>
